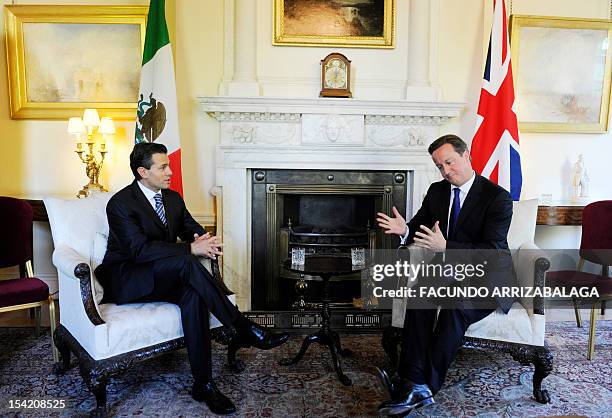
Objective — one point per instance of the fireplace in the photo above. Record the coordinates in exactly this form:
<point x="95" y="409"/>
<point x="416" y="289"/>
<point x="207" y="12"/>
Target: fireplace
<point x="374" y="136"/>
<point x="321" y="211"/>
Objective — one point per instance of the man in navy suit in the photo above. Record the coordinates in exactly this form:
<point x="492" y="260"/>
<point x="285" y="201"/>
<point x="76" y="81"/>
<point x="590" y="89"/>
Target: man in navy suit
<point x="144" y="262"/>
<point x="464" y="211"/>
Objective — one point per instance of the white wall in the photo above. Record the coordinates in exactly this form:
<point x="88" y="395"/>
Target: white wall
<point x="296" y="71"/>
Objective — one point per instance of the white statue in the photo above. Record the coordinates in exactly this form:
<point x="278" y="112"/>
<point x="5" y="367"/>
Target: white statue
<point x="580" y="181"/>
<point x="584" y="185"/>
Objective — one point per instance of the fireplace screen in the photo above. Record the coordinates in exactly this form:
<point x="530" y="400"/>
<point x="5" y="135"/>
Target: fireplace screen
<point x="320" y="240"/>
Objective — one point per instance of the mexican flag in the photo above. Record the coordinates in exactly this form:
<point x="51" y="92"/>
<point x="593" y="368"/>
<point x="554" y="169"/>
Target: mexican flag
<point x="157" y="114"/>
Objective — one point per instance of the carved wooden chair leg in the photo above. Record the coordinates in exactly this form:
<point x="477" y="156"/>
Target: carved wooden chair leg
<point x="100" y="393"/>
<point x="542" y="359"/>
<point x="96" y="382"/>
<point x="543" y="362"/>
<point x="234" y="363"/>
<point x="58" y="338"/>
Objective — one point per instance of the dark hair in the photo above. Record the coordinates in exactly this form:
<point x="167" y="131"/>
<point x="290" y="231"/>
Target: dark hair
<point x="457" y="143"/>
<point x="142" y="156"/>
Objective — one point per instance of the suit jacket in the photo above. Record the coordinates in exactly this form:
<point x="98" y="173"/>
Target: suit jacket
<point x="483" y="224"/>
<point x="137" y="238"/>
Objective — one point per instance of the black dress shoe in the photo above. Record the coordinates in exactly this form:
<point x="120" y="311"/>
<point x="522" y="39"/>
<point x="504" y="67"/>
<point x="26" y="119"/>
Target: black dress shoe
<point x="385" y="381"/>
<point x="416" y="397"/>
<point x="217" y="402"/>
<point x="252" y="335"/>
<point x="392" y="385"/>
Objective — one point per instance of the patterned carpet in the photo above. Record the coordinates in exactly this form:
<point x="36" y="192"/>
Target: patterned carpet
<point x="480" y="383"/>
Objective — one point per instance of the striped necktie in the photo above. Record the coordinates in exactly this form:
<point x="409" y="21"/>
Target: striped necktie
<point x="159" y="208"/>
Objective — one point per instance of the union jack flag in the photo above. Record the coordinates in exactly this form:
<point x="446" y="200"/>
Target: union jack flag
<point x="495" y="147"/>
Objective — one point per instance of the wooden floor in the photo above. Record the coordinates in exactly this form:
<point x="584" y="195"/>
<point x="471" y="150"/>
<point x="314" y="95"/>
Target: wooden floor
<point x="22" y="318"/>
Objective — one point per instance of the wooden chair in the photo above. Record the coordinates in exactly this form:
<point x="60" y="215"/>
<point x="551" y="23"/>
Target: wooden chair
<point x="26" y="291"/>
<point x="595" y="247"/>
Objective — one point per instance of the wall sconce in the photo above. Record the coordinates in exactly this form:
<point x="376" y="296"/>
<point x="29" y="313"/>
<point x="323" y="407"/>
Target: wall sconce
<point x="90" y="125"/>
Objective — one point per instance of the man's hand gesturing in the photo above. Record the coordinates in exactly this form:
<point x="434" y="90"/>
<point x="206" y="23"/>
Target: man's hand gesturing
<point x="206" y="245"/>
<point x="430" y="238"/>
<point x="396" y="225"/>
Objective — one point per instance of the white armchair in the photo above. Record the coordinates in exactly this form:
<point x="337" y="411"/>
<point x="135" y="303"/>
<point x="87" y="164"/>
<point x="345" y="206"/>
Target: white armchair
<point x="521" y="331"/>
<point x="106" y="338"/>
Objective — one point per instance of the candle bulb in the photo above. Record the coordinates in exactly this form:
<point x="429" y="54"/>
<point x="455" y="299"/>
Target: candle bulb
<point x="107" y="127"/>
<point x="76" y="128"/>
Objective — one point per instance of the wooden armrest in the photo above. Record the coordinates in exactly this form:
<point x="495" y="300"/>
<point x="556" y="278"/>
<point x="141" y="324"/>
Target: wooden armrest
<point x="83" y="272"/>
<point x="539" y="273"/>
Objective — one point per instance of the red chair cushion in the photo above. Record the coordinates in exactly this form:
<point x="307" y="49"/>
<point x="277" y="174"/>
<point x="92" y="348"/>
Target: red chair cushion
<point x="573" y="278"/>
<point x="24" y="290"/>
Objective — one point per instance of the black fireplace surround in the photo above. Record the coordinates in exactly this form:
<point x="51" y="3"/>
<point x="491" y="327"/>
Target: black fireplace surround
<point x="325" y="211"/>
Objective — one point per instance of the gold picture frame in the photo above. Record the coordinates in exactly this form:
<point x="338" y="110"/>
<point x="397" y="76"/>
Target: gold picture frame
<point x="562" y="72"/>
<point x="63" y="59"/>
<point x="366" y="24"/>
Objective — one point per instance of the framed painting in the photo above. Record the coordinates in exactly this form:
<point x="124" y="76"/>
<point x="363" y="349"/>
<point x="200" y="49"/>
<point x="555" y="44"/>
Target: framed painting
<point x="63" y="59"/>
<point x="562" y="73"/>
<point x="343" y="23"/>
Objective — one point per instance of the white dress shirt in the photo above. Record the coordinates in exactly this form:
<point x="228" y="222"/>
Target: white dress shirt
<point x="149" y="194"/>
<point x="464" y="189"/>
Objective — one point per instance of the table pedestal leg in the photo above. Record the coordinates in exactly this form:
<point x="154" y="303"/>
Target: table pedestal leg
<point x="325" y="336"/>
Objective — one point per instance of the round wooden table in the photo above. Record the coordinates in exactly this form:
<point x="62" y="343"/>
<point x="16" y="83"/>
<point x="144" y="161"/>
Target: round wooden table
<point x="324" y="266"/>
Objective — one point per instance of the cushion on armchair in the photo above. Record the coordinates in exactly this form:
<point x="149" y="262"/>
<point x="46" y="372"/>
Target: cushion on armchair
<point x="517" y="326"/>
<point x="522" y="227"/>
<point x="98" y="250"/>
<point x="520" y="325"/>
<point x="137" y="325"/>
<point x="74" y="223"/>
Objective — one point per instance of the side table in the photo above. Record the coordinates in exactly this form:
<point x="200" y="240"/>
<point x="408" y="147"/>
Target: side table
<point x="324" y="266"/>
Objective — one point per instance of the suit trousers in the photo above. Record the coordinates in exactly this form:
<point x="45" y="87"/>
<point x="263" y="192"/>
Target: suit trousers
<point x="429" y="346"/>
<point x="184" y="281"/>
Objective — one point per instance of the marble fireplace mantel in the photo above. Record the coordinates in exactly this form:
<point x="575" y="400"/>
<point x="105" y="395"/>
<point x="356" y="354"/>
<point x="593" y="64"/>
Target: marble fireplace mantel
<point x="305" y="133"/>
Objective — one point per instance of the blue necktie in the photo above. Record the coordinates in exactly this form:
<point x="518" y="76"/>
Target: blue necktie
<point x="159" y="208"/>
<point x="454" y="215"/>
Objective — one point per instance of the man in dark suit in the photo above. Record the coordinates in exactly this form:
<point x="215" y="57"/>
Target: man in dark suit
<point x="464" y="211"/>
<point x="145" y="263"/>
